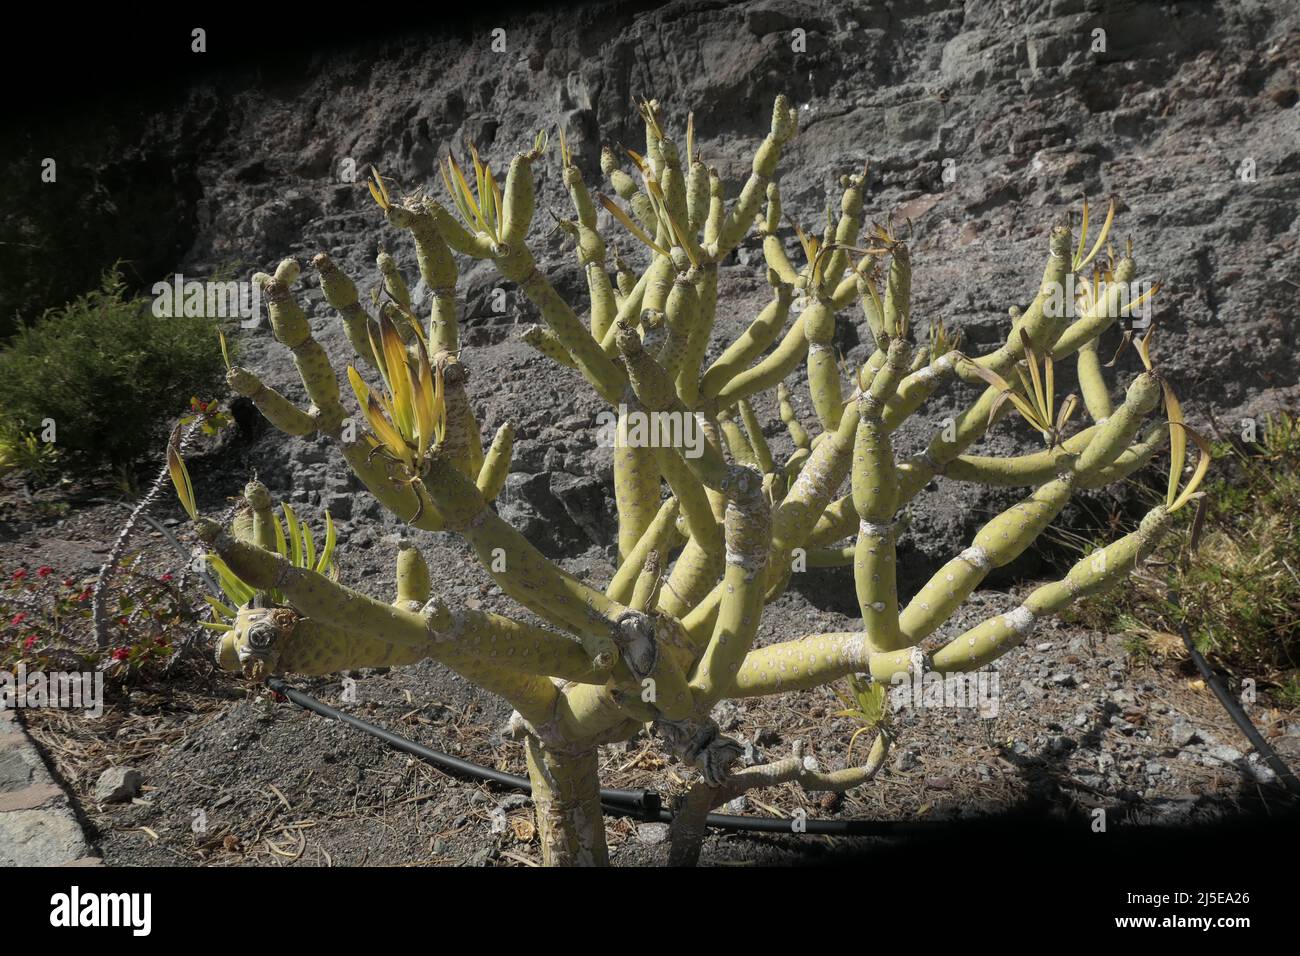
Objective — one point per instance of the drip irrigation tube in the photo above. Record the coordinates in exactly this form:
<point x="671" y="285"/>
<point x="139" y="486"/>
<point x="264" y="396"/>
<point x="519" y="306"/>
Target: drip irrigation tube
<point x="1235" y="711"/>
<point x="643" y="805"/>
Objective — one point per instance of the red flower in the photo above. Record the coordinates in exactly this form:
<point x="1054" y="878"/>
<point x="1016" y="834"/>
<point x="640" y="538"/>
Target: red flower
<point x="84" y="595"/>
<point x="121" y="653"/>
<point x="19" y="575"/>
<point x="166" y="577"/>
<point x="122" y="622"/>
<point x="18" y="619"/>
<point x="27" y="644"/>
<point x="67" y="582"/>
<point x="44" y="571"/>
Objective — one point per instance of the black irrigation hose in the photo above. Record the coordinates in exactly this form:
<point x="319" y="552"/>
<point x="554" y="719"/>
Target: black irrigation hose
<point x="1234" y="709"/>
<point x="640" y="804"/>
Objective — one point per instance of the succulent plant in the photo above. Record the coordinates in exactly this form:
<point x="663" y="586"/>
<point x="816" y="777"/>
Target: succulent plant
<point x="705" y="539"/>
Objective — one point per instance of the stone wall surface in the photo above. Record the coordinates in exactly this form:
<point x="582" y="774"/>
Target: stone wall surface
<point x="984" y="123"/>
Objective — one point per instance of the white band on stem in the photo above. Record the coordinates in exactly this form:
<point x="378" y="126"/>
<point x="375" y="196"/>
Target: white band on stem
<point x="1021" y="620"/>
<point x="874" y="530"/>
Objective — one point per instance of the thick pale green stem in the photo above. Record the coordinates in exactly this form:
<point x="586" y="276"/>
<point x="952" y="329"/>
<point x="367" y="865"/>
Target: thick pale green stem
<point x="341" y="293"/>
<point x="1104" y="312"/>
<point x="774" y="368"/>
<point x="749" y="538"/>
<point x="566" y="797"/>
<point x="824" y="380"/>
<point x="751" y="343"/>
<point x="785" y="124"/>
<point x="1092" y="383"/>
<point x="291" y="330"/>
<point x="656" y="538"/>
<point x="1045" y="317"/>
<point x="496" y="463"/>
<point x="688" y="379"/>
<point x="636" y="480"/>
<point x="875" y="498"/>
<point x="797" y="515"/>
<point x="278" y="410"/>
<point x="998" y="543"/>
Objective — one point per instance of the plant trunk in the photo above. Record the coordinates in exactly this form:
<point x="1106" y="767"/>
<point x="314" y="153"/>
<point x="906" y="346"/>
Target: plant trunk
<point x="566" y="796"/>
<point x="688" y="829"/>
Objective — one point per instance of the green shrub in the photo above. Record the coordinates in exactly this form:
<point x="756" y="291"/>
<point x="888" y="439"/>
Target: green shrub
<point x="108" y="373"/>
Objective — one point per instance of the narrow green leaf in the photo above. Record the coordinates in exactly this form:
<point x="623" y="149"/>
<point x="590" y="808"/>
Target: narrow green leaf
<point x="628" y="224"/>
<point x="1101" y="238"/>
<point x="180" y="476"/>
<point x="1083" y="236"/>
<point x="1202" y="467"/>
<point x="235" y="589"/>
<point x="1177" y="443"/>
<point x="294" y="535"/>
<point x="308" y="547"/>
<point x="327" y="553"/>
<point x="223" y="610"/>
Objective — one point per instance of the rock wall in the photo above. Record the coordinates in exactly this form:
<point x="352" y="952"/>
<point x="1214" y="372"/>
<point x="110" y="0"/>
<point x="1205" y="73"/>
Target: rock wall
<point x="983" y="125"/>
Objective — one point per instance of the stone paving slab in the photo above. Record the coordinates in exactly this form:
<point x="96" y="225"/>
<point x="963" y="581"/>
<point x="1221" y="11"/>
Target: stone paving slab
<point x="37" y="824"/>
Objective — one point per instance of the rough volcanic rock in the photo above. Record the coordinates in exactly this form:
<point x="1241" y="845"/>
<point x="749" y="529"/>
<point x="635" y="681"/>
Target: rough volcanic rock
<point x="983" y="125"/>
